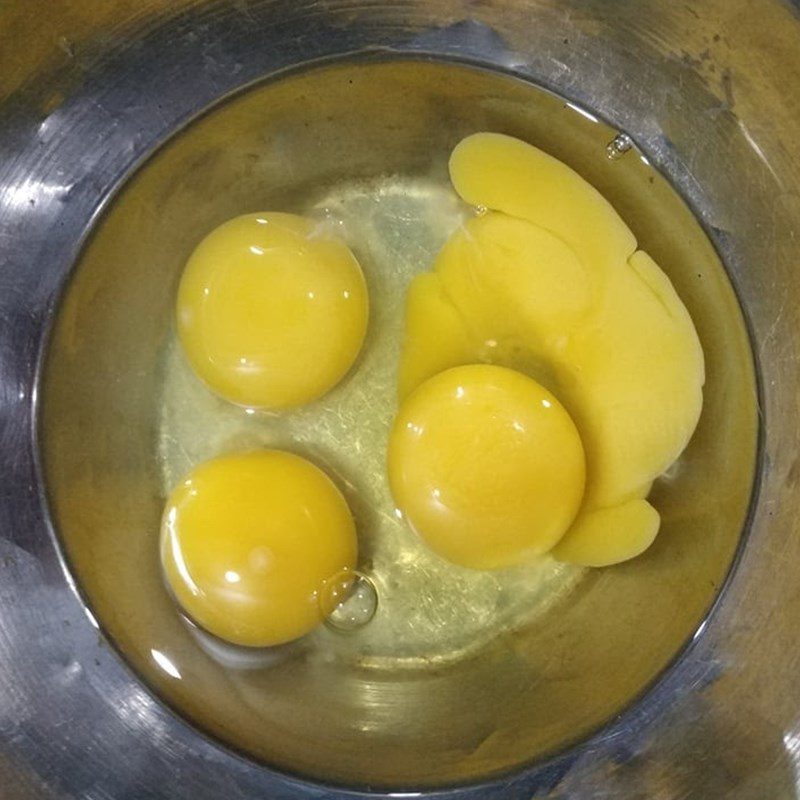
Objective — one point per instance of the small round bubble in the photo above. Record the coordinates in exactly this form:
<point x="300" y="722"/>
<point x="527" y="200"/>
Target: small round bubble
<point x="348" y="601"/>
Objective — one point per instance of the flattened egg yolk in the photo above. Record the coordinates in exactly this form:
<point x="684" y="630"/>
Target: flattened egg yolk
<point x="549" y="281"/>
<point x="486" y="465"/>
<point x="248" y="542"/>
<point x="271" y="310"/>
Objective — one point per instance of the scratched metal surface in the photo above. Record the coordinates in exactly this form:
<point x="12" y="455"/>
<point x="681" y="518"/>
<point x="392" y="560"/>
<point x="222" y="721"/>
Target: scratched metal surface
<point x="711" y="92"/>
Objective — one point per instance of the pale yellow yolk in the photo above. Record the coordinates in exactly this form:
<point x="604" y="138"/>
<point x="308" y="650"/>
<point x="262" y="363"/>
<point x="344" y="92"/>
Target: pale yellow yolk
<point x="486" y="465"/>
<point x="271" y="310"/>
<point x="549" y="282"/>
<point x="248" y="542"/>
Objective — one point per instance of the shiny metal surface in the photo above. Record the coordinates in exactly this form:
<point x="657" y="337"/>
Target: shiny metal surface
<point x="426" y="695"/>
<point x="708" y="91"/>
<point x="423" y="696"/>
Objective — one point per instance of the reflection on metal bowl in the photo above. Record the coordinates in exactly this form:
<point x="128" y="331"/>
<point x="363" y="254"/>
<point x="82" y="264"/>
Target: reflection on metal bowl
<point x="87" y="102"/>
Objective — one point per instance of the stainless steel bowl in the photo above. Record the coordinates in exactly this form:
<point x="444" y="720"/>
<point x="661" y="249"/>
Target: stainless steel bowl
<point x="709" y="92"/>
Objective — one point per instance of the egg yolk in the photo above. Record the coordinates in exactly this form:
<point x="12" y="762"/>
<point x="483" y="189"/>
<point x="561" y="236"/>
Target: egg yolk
<point x="549" y="282"/>
<point x="271" y="310"/>
<point x="486" y="465"/>
<point x="248" y="542"/>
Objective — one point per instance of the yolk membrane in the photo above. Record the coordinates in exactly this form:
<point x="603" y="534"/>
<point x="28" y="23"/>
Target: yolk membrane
<point x="248" y="542"/>
<point x="272" y="310"/>
<point x="487" y="466"/>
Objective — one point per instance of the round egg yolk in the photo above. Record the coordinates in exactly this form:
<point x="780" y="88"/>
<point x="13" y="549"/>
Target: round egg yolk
<point x="248" y="542"/>
<point x="486" y="465"/>
<point x="271" y="310"/>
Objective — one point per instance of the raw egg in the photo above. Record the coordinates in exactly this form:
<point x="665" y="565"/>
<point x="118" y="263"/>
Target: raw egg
<point x="548" y="281"/>
<point x="486" y="465"/>
<point x="248" y="542"/>
<point x="272" y="310"/>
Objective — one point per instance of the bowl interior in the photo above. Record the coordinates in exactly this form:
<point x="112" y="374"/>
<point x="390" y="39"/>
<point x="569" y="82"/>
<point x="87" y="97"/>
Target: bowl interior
<point x="349" y="717"/>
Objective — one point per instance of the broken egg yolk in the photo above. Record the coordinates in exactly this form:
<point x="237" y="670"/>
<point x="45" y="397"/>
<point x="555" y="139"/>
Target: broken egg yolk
<point x="548" y="281"/>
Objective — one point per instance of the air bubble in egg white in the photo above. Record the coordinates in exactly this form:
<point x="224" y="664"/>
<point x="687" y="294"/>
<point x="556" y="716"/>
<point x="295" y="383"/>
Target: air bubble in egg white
<point x="349" y="601"/>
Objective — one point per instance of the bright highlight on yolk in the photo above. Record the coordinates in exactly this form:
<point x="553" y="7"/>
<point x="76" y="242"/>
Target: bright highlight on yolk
<point x="271" y="310"/>
<point x="487" y="466"/>
<point x="248" y="542"/>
